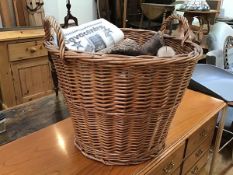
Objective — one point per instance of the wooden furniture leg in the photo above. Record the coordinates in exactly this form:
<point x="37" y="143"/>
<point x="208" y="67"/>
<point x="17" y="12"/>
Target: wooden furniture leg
<point x="232" y="157"/>
<point x="200" y="32"/>
<point x="189" y="18"/>
<point x="125" y="13"/>
<point x="218" y="139"/>
<point x="54" y="75"/>
<point x="207" y="17"/>
<point x="141" y="21"/>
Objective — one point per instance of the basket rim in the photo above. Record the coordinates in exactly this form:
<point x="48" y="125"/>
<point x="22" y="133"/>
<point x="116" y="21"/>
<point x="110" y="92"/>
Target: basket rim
<point x="117" y="58"/>
<point x="66" y="54"/>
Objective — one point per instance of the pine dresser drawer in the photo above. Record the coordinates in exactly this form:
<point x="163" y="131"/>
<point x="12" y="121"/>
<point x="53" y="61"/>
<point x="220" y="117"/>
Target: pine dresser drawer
<point x="26" y="50"/>
<point x="197" y="154"/>
<point x="177" y="171"/>
<point x="170" y="164"/>
<point x="196" y="169"/>
<point x="198" y="137"/>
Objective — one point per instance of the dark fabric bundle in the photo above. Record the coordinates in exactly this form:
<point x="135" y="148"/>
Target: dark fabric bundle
<point x="126" y="47"/>
<point x="152" y="46"/>
<point x="132" y="48"/>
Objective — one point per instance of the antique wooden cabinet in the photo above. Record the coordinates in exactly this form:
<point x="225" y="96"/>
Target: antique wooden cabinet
<point x="24" y="67"/>
<point x="190" y="156"/>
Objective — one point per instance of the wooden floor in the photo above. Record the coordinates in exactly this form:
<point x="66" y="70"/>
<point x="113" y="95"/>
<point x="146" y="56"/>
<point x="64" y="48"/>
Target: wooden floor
<point x="33" y="116"/>
<point x="224" y="164"/>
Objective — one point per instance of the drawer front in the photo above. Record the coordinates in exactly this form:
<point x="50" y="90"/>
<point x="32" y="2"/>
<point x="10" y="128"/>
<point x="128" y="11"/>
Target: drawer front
<point x="197" y="154"/>
<point x="200" y="136"/>
<point x="32" y="79"/>
<point x="169" y="164"/>
<point x="196" y="169"/>
<point x="176" y="172"/>
<point x="26" y="50"/>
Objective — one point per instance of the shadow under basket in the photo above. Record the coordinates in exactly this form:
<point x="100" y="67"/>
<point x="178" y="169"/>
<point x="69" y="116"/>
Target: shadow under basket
<point x="122" y="106"/>
<point x="2" y="123"/>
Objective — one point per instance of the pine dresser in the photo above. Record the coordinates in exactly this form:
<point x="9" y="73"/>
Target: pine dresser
<point x="24" y="67"/>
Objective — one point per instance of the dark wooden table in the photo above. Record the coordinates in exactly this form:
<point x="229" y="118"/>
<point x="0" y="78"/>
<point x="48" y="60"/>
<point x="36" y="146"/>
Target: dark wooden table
<point x="204" y="18"/>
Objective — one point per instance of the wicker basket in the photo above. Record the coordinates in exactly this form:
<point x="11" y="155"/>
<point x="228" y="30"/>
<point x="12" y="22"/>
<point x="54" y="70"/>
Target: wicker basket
<point x="122" y="106"/>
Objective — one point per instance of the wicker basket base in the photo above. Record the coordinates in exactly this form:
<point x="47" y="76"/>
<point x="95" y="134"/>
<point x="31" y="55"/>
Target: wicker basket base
<point x="114" y="158"/>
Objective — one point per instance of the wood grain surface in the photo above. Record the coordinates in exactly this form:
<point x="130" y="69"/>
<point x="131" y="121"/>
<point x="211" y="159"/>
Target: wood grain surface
<point x="21" y="34"/>
<point x="23" y="60"/>
<point x="51" y="150"/>
<point x="5" y="13"/>
<point x="21" y="14"/>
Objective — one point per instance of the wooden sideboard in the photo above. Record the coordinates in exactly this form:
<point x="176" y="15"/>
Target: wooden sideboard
<point x="52" y="151"/>
<point x="24" y="67"/>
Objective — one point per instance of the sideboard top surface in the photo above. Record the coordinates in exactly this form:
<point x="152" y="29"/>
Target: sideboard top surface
<point x="21" y="34"/>
<point x="52" y="151"/>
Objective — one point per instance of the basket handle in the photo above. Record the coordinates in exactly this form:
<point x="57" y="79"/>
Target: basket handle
<point x="183" y="22"/>
<point x="50" y="26"/>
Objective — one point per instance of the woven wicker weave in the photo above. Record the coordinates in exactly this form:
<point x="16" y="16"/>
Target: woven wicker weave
<point x="122" y="106"/>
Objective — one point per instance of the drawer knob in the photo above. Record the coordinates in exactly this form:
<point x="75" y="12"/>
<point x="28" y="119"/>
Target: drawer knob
<point x="33" y="49"/>
<point x="169" y="167"/>
<point x="195" y="170"/>
<point x="199" y="153"/>
<point x="203" y="133"/>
